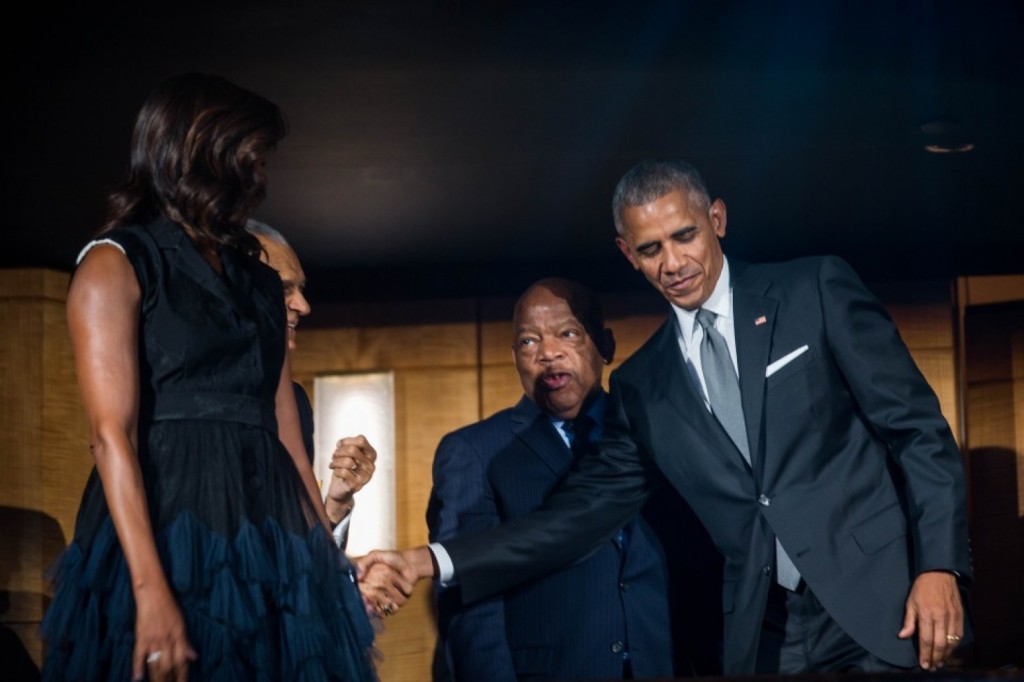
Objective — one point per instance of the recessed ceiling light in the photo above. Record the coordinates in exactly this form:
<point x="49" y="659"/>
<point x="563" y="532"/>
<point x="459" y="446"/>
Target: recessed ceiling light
<point x="949" y="149"/>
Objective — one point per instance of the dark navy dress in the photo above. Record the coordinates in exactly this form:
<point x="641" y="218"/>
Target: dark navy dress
<point x="264" y="592"/>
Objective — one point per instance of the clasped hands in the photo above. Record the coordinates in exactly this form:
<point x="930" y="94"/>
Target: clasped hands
<point x="386" y="578"/>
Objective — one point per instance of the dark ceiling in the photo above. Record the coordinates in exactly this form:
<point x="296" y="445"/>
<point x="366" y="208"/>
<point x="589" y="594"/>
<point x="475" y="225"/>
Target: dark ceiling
<point x="444" y="149"/>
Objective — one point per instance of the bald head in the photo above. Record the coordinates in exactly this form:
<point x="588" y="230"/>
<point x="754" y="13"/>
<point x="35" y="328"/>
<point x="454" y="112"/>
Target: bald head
<point x="560" y="345"/>
<point x="584" y="305"/>
<point x="279" y="255"/>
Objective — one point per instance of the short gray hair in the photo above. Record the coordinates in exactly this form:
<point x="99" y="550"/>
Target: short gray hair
<point x="652" y="179"/>
<point x="259" y="229"/>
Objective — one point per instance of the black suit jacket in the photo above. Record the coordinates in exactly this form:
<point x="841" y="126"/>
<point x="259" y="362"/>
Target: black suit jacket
<point x="854" y="468"/>
<point x="573" y="623"/>
<point x="305" y="409"/>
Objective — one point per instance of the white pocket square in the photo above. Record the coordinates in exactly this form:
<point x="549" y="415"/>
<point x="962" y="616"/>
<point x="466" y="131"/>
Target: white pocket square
<point x="783" y="361"/>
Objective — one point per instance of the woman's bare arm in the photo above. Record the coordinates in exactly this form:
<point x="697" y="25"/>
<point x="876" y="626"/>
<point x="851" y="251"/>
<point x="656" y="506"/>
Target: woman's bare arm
<point x="103" y="320"/>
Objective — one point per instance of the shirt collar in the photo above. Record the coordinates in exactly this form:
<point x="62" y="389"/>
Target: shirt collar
<point x="719" y="302"/>
<point x="595" y="411"/>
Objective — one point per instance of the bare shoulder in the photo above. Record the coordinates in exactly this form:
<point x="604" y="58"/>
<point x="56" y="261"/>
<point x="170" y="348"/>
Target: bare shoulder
<point x="106" y="276"/>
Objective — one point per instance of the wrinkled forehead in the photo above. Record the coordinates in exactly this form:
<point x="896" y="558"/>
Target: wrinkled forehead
<point x="560" y="303"/>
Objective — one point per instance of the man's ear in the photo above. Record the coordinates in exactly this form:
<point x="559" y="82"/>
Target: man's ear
<point x="717" y="214"/>
<point x="606" y="345"/>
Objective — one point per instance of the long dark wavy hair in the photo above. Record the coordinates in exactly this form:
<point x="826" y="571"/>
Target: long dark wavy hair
<point x="198" y="153"/>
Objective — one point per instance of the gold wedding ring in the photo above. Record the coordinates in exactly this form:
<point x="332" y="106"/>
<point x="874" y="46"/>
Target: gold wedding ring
<point x="952" y="638"/>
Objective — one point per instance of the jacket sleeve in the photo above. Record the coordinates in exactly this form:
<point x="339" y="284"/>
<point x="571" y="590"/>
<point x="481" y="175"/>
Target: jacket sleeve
<point x="605" y="490"/>
<point x="904" y="412"/>
<point x="473" y="639"/>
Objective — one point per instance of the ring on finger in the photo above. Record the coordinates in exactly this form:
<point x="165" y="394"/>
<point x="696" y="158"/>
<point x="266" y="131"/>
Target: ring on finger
<point x="154" y="656"/>
<point x="952" y="638"/>
<point x="389" y="608"/>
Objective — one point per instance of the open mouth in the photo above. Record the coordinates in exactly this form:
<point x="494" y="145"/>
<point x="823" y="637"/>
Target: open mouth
<point x="555" y="380"/>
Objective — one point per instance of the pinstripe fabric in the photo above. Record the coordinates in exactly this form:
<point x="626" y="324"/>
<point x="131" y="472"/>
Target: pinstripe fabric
<point x="575" y="623"/>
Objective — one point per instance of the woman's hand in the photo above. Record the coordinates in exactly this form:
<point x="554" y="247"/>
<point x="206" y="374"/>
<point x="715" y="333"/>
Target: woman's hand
<point x="162" y="650"/>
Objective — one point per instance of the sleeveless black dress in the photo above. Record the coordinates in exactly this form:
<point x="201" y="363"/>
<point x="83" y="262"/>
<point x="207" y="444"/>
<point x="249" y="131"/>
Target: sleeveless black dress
<point x="264" y="592"/>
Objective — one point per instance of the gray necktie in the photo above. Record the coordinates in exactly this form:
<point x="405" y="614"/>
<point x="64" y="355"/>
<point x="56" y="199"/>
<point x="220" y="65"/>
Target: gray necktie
<point x="724" y="395"/>
<point x="722" y="384"/>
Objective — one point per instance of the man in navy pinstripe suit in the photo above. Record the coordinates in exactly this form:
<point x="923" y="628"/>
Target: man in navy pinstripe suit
<point x="606" y="616"/>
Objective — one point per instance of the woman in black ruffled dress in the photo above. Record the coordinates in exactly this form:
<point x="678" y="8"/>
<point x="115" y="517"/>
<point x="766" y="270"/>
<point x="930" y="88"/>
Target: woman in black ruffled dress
<point x="200" y="550"/>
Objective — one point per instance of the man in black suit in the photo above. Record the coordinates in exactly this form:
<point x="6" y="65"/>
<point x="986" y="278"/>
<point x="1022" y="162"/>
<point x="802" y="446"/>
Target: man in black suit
<point x="604" y="617"/>
<point x="353" y="460"/>
<point x="825" y="473"/>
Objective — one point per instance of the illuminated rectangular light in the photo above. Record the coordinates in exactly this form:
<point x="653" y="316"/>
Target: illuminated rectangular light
<point x="350" y="404"/>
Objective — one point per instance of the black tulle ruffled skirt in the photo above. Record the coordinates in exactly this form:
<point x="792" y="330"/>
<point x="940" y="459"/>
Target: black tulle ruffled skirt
<point x="264" y="593"/>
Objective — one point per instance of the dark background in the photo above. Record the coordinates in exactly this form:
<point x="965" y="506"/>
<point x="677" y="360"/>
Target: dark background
<point x="448" y="149"/>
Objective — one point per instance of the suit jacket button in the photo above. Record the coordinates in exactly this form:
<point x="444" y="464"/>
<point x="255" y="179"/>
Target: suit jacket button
<point x="764" y="500"/>
<point x="617" y="647"/>
<point x="767" y="570"/>
<point x="623" y="586"/>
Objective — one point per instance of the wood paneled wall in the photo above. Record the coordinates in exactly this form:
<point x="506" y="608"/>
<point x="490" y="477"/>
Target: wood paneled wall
<point x="992" y="322"/>
<point x="45" y="454"/>
<point x="452" y="363"/>
<point x="928" y="331"/>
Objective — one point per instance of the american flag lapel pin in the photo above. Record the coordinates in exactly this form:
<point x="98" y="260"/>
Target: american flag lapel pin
<point x="759" y="321"/>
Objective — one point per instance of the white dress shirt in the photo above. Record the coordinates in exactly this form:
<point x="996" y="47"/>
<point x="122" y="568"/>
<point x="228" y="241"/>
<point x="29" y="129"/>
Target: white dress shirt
<point x="689" y="333"/>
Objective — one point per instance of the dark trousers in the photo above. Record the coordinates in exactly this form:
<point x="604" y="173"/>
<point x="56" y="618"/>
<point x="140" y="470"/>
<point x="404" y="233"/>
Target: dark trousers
<point x="798" y="636"/>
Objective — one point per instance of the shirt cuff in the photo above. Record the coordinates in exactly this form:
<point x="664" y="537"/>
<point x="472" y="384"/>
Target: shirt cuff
<point x="341" y="532"/>
<point x="445" y="567"/>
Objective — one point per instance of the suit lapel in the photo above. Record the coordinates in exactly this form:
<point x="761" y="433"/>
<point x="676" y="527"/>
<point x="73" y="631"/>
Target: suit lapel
<point x="673" y="383"/>
<point x="754" y="320"/>
<point x="535" y="430"/>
